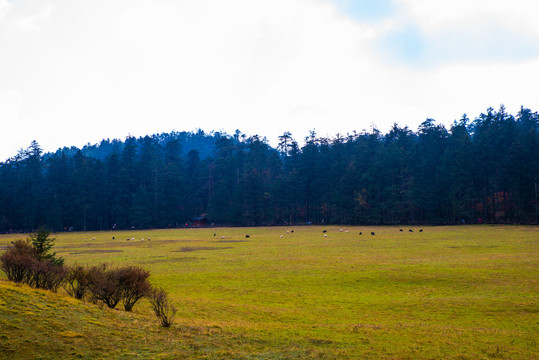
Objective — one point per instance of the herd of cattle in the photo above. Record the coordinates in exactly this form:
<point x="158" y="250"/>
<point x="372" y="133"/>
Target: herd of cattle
<point x="325" y="232"/>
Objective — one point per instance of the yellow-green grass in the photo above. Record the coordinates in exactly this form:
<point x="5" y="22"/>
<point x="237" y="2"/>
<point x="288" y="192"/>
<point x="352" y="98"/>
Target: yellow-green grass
<point x="467" y="292"/>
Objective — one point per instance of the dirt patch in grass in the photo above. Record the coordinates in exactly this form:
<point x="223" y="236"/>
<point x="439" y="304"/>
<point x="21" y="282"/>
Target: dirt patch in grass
<point x="320" y="341"/>
<point x="97" y="251"/>
<point x="113" y="243"/>
<point x="230" y="241"/>
<point x="165" y="260"/>
<point x="359" y="327"/>
<point x="78" y="245"/>
<point x="474" y="247"/>
<point x="175" y="241"/>
<point x="196" y="248"/>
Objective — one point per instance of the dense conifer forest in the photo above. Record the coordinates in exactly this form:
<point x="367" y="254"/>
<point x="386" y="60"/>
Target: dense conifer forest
<point x="481" y="170"/>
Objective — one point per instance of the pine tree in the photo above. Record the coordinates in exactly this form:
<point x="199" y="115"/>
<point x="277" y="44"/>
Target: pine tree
<point x="43" y="243"/>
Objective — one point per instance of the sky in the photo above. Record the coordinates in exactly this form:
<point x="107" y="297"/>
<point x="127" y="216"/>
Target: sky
<point x="77" y="72"/>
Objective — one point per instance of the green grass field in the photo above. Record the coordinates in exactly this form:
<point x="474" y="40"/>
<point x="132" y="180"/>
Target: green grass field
<point x="468" y="292"/>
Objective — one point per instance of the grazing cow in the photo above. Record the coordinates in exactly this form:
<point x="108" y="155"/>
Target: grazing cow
<point x="324" y="231"/>
<point x="282" y="236"/>
<point x="372" y="233"/>
<point x="214" y="234"/>
<point x="149" y="239"/>
<point x="93" y="238"/>
<point x="247" y="236"/>
<point x="292" y="231"/>
<point x="400" y="230"/>
<point x="113" y="238"/>
<point x="222" y="237"/>
<point x="325" y="235"/>
<point x="360" y="233"/>
<point x="340" y="230"/>
<point x="411" y="230"/>
<point x="420" y="230"/>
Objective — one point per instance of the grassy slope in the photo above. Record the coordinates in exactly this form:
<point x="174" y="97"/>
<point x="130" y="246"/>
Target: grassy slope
<point x="36" y="324"/>
<point x="450" y="292"/>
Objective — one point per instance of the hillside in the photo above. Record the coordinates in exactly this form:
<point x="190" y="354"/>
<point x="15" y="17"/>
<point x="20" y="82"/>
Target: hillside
<point x="37" y="324"/>
<point x="202" y="143"/>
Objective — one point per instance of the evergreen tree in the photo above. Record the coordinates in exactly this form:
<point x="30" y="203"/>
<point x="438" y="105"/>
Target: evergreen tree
<point x="43" y="243"/>
<point x="172" y="187"/>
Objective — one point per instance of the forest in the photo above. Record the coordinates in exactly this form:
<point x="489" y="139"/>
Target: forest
<point x="483" y="170"/>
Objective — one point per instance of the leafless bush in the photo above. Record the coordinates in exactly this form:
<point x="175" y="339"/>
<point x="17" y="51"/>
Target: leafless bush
<point x="46" y="274"/>
<point x="134" y="283"/>
<point x="17" y="261"/>
<point x="76" y="281"/>
<point x="112" y="285"/>
<point x="21" y="264"/>
<point x="162" y="307"/>
<point x="104" y="285"/>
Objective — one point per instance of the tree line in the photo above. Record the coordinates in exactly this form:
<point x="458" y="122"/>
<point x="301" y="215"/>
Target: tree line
<point x="481" y="170"/>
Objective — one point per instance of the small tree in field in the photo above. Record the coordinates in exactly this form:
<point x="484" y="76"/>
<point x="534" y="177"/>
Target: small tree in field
<point x="162" y="307"/>
<point x="43" y="243"/>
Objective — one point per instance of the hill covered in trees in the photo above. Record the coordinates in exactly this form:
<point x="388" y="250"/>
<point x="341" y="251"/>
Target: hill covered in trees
<point x="482" y="170"/>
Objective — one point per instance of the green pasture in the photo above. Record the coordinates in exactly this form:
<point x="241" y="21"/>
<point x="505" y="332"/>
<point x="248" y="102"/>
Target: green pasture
<point x="463" y="292"/>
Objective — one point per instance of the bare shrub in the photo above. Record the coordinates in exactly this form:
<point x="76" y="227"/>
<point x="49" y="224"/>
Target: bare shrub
<point x="134" y="283"/>
<point x="21" y="264"/>
<point x="162" y="306"/>
<point x="104" y="285"/>
<point x="76" y="281"/>
<point x="46" y="274"/>
<point x="17" y="261"/>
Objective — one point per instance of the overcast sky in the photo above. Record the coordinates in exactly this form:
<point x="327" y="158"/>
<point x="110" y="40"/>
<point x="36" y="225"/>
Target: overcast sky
<point x="75" y="72"/>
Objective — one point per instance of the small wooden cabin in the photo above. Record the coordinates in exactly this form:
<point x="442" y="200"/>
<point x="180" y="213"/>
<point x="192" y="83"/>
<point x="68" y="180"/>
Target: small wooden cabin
<point x="200" y="221"/>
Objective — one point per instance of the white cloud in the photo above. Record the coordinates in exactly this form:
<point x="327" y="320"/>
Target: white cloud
<point x="104" y="69"/>
<point x="10" y="105"/>
<point x="32" y="22"/>
<point x="449" y="31"/>
<point x="436" y="15"/>
<point x="24" y="19"/>
<point x="5" y="7"/>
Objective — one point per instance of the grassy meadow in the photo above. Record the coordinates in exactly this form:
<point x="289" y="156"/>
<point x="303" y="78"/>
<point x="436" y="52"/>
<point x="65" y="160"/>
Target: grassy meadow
<point x="462" y="292"/>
